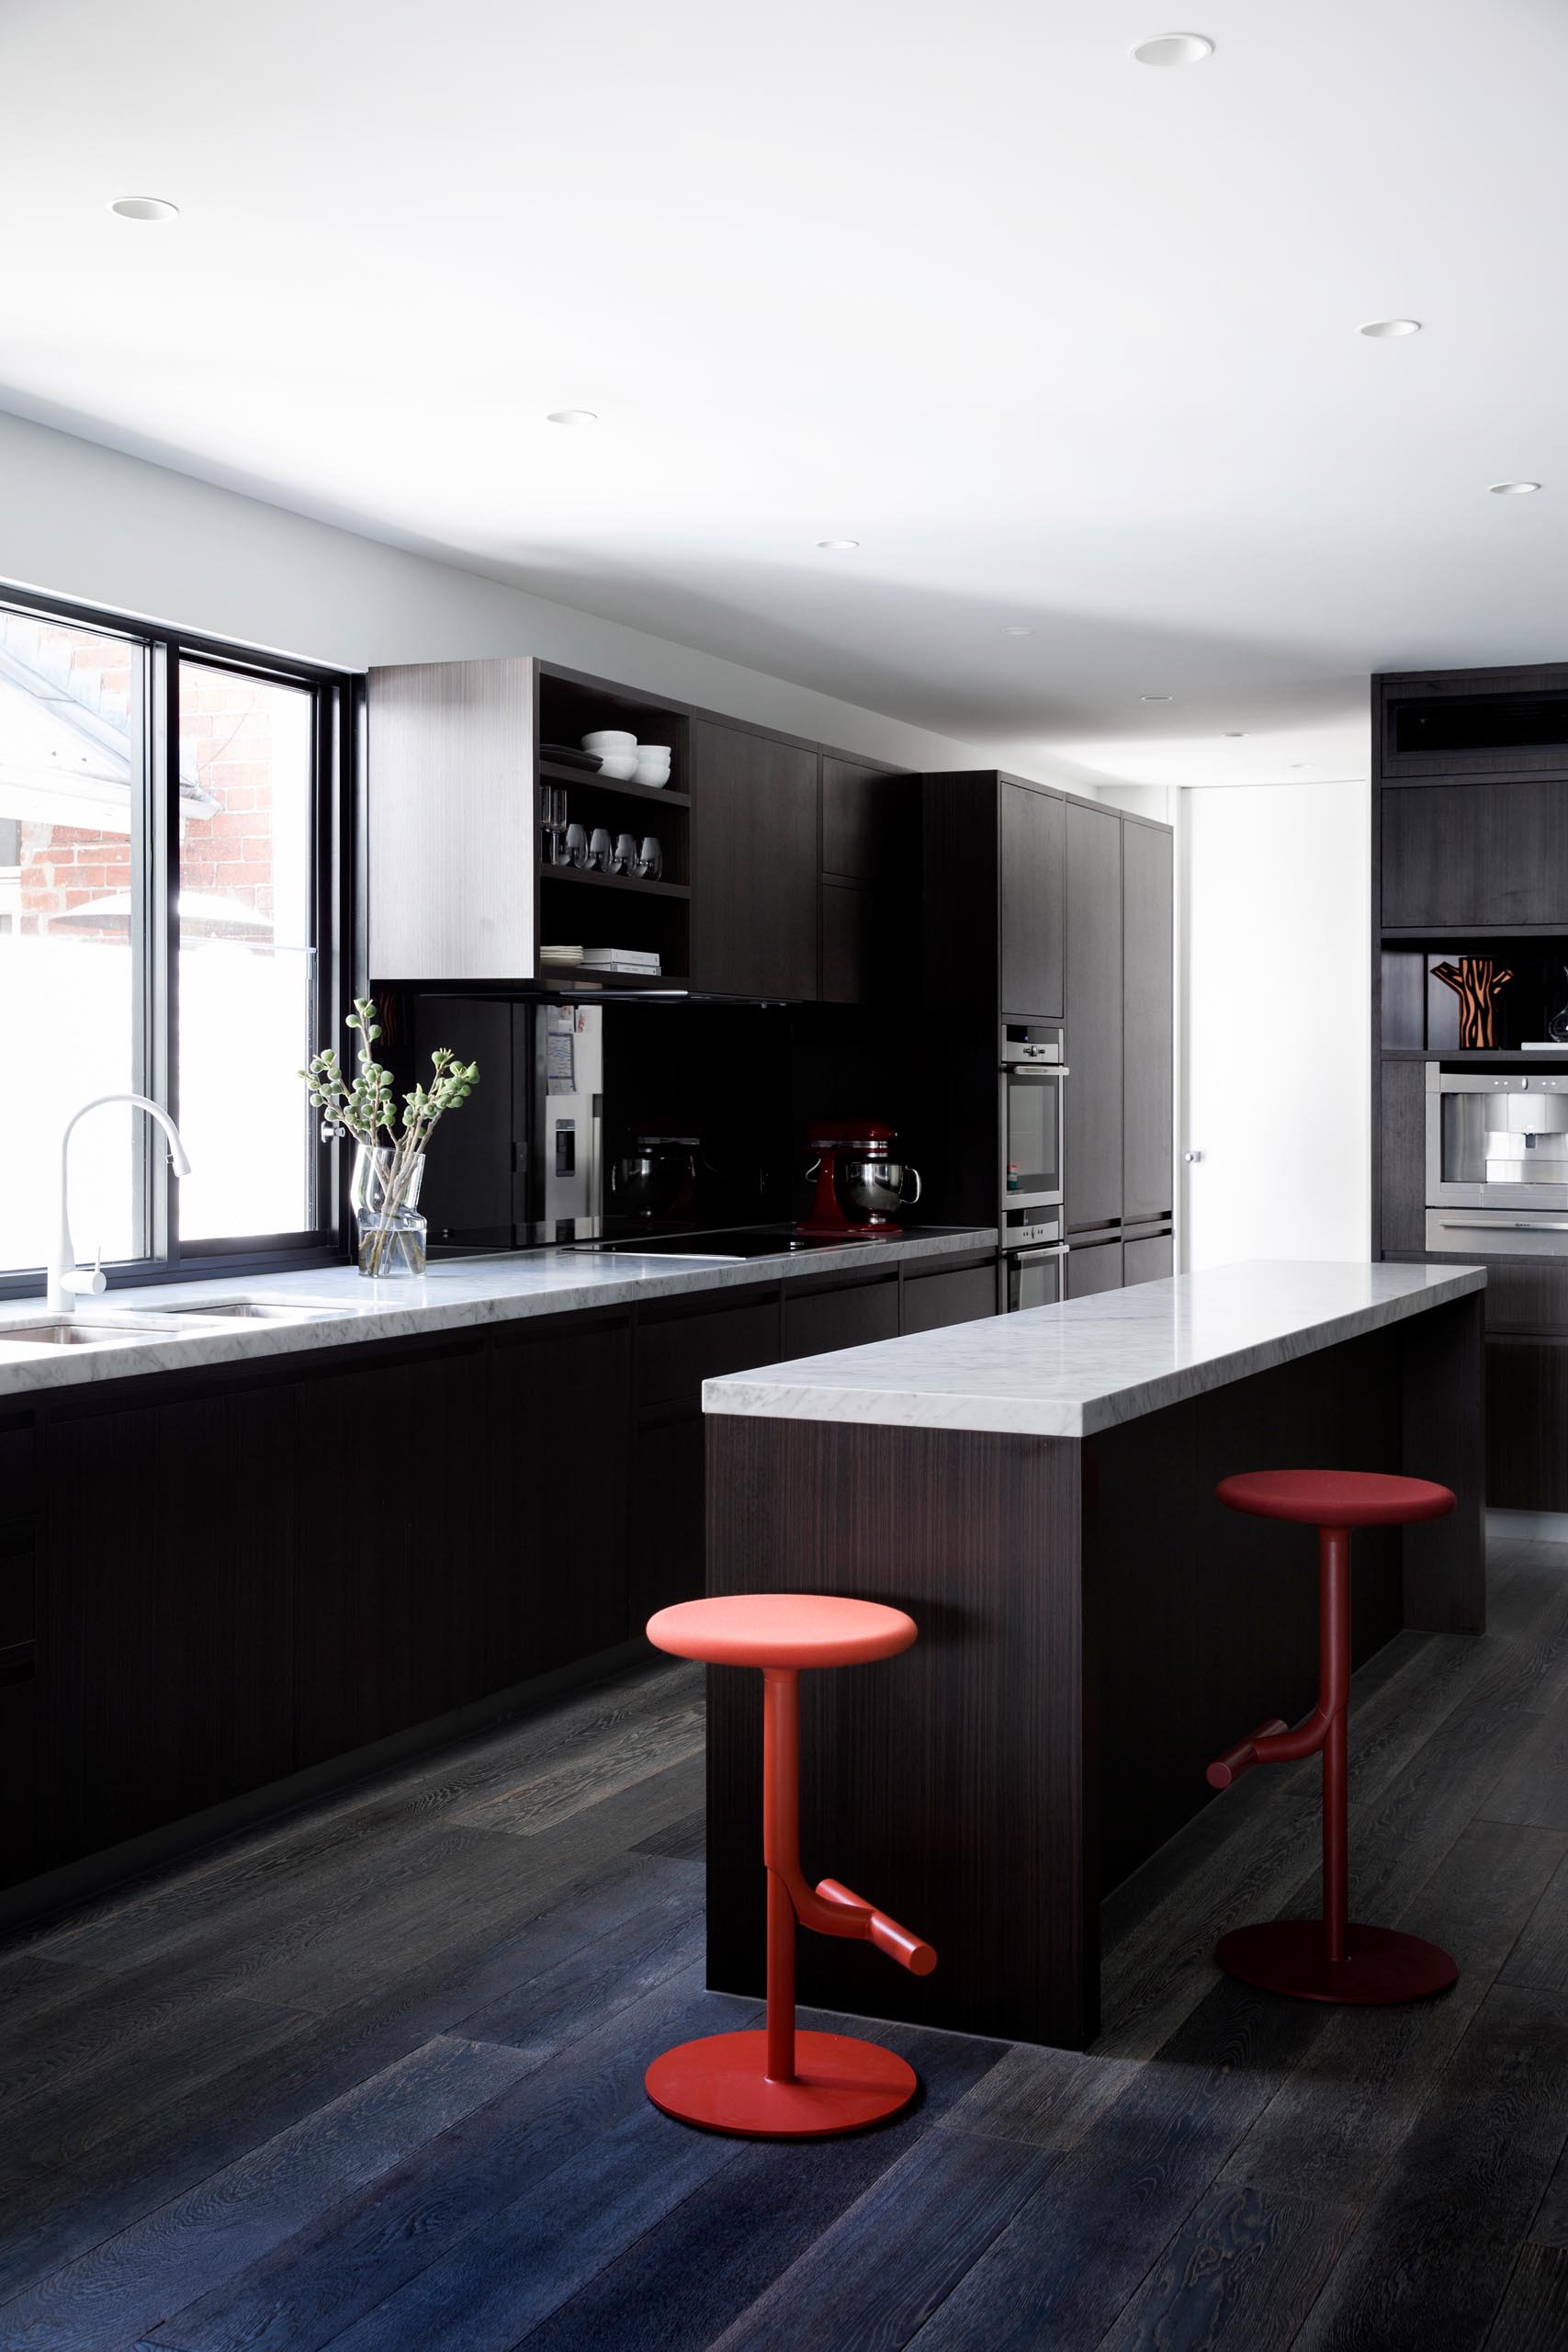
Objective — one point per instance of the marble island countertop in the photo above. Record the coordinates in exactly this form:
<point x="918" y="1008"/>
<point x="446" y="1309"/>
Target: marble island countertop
<point x="455" y="1294"/>
<point x="1069" y="1371"/>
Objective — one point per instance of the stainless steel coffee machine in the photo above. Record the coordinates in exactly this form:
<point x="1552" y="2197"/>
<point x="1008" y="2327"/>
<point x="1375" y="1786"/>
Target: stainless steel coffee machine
<point x="1497" y="1161"/>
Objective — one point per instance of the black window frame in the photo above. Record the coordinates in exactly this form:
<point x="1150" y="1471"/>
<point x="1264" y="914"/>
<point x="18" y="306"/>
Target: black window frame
<point x="337" y="702"/>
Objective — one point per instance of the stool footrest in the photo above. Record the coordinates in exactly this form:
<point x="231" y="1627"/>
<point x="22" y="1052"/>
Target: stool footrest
<point x="1243" y="1756"/>
<point x="898" y="1942"/>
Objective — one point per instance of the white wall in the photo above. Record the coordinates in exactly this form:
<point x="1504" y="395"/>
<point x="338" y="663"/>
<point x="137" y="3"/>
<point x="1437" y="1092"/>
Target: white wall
<point x="83" y="522"/>
<point x="1275" y="913"/>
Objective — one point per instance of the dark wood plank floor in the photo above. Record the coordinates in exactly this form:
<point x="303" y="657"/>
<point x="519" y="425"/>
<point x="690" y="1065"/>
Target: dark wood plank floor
<point x="371" y="2078"/>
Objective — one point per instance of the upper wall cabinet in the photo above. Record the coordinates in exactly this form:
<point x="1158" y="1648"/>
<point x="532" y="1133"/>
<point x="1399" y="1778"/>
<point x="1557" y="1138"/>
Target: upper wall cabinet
<point x="1475" y="853"/>
<point x="871" y="822"/>
<point x="754" y="864"/>
<point x="1033" y="835"/>
<point x="450" y="855"/>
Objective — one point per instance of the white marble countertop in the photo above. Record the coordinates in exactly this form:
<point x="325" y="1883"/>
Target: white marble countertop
<point x="1068" y="1371"/>
<point x="453" y="1295"/>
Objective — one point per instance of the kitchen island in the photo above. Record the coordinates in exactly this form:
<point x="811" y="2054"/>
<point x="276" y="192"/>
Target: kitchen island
<point x="1038" y="1493"/>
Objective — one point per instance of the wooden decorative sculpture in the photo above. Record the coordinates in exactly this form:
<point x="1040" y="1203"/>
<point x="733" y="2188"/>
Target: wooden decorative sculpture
<point x="1475" y="980"/>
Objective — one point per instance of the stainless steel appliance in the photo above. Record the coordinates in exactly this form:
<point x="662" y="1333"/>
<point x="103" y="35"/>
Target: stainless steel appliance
<point x="569" y="1112"/>
<point x="1032" y="1126"/>
<point x="1034" y="1278"/>
<point x="1497" y="1161"/>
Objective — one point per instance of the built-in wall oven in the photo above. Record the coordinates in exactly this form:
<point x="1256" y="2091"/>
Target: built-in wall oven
<point x="1032" y="1125"/>
<point x="1497" y="1161"/>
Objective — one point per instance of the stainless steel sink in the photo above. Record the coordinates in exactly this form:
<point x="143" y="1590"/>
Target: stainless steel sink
<point x="264" y="1310"/>
<point x="74" y="1331"/>
<point x="108" y="1329"/>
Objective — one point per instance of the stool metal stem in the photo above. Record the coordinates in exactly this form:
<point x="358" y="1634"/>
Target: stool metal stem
<point x="781" y="1851"/>
<point x="1334" y="1701"/>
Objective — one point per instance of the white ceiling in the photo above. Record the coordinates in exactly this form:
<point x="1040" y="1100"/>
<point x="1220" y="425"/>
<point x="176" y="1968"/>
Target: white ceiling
<point x="1060" y="340"/>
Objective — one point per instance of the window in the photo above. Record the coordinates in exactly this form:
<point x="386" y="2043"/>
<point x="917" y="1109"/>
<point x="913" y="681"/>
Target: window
<point x="168" y="925"/>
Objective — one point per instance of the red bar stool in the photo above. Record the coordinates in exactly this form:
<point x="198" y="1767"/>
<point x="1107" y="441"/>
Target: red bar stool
<point x="1334" y="1958"/>
<point x="780" y="2083"/>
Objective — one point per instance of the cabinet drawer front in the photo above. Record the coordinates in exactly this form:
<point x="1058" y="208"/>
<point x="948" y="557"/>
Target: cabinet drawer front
<point x="1096" y="1269"/>
<point x="674" y="1357"/>
<point x="1492" y="854"/>
<point x="964" y="1294"/>
<point x="1526" y="1424"/>
<point x="16" y="1470"/>
<point x="1148" y="1260"/>
<point x="818" y="1323"/>
<point x="1527" y="1298"/>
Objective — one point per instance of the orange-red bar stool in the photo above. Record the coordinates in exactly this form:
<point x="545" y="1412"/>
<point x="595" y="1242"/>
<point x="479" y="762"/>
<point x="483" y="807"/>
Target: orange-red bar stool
<point x="785" y="2084"/>
<point x="1334" y="1958"/>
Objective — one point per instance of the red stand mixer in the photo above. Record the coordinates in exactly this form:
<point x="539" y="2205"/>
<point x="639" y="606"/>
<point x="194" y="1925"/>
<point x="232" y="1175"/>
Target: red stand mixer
<point x="860" y="1179"/>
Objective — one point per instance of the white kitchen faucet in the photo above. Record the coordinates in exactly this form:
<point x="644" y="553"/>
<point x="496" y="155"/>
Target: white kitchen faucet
<point x="65" y="1282"/>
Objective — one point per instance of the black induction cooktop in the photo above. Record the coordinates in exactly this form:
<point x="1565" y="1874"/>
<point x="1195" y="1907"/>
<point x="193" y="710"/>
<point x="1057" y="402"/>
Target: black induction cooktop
<point x="759" y="1242"/>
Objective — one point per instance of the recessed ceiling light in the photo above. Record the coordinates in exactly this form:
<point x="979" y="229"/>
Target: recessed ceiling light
<point x="1157" y="697"/>
<point x="1174" y="49"/>
<point x="1017" y="629"/>
<point x="1300" y="763"/>
<point x="1384" y="330"/>
<point x="838" y="546"/>
<point x="145" y="208"/>
<point x="1513" y="489"/>
<point x="572" y="416"/>
<point x="1234" y="734"/>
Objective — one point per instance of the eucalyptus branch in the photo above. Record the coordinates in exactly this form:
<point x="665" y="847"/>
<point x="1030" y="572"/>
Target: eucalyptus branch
<point x="367" y="1108"/>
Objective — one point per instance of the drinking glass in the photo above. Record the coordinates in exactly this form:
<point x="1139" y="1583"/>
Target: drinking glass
<point x="651" y="862"/>
<point x="577" y="844"/>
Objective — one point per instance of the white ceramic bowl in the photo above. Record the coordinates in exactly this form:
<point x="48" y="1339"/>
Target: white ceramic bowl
<point x="619" y="766"/>
<point x="609" y="739"/>
<point x="655" y="773"/>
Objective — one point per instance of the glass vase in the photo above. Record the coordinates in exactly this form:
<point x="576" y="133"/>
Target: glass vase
<point x="389" y="1228"/>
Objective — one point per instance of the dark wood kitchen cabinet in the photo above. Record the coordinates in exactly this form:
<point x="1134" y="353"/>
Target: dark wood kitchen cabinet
<point x="166" y="1635"/>
<point x="1033" y="884"/>
<point x="557" y="1586"/>
<point x="932" y="1302"/>
<point x="1147" y="1257"/>
<point x="754" y="864"/>
<point x="1489" y="855"/>
<point x="869" y="884"/>
<point x="681" y="1343"/>
<point x="1147" y="1022"/>
<point x="389" y="1624"/>
<point x="1095" y="1267"/>
<point x="1094" y="1037"/>
<point x="849" y="1314"/>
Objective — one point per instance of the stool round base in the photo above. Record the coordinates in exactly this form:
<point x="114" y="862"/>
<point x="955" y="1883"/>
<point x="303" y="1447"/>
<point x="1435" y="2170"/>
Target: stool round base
<point x="1288" y="1956"/>
<point x="840" y="2085"/>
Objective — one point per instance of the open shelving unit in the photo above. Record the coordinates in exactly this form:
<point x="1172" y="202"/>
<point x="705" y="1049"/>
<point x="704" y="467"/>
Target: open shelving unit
<point x="582" y="907"/>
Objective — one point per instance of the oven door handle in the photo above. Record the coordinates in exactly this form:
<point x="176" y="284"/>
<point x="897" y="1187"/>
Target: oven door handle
<point x="1499" y="1222"/>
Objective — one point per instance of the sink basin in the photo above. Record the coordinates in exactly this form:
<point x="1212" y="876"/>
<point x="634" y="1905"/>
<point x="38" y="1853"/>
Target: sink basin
<point x="263" y="1310"/>
<point x="75" y="1331"/>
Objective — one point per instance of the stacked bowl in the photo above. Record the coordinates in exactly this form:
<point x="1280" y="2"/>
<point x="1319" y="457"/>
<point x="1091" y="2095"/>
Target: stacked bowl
<point x="626" y="761"/>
